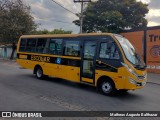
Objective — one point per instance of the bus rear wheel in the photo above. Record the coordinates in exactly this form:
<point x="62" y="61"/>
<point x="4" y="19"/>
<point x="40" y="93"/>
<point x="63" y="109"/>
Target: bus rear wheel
<point x="39" y="73"/>
<point x="107" y="87"/>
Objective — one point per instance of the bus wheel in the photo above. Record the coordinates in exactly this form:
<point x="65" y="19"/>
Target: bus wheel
<point x="107" y="87"/>
<point x="39" y="73"/>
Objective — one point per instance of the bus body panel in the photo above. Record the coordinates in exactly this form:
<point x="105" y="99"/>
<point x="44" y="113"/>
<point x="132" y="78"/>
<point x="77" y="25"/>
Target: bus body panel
<point x="70" y="67"/>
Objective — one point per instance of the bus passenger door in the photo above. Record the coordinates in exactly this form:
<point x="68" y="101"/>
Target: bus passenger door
<point x="88" y="62"/>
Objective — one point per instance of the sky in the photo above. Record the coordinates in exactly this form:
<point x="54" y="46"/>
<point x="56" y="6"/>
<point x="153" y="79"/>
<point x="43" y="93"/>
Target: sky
<point x="50" y="16"/>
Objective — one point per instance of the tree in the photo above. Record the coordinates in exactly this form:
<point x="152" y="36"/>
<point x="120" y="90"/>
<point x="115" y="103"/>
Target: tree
<point x="15" y="19"/>
<point x="114" y="15"/>
<point x="55" y="31"/>
<point x="13" y="50"/>
<point x="60" y="31"/>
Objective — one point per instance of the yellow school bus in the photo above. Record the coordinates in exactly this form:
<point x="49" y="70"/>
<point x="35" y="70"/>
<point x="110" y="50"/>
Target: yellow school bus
<point x="104" y="60"/>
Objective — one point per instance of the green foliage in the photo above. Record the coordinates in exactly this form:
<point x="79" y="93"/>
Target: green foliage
<point x="55" y="31"/>
<point x="114" y="15"/>
<point x="15" y="19"/>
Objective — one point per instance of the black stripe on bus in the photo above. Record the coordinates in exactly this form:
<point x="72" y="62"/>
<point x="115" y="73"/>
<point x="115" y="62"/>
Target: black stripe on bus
<point x="66" y="61"/>
<point x="105" y="67"/>
<point x="54" y="60"/>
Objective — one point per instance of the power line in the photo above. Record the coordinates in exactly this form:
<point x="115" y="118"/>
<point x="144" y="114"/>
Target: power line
<point x="55" y="20"/>
<point x="62" y="21"/>
<point x="64" y="7"/>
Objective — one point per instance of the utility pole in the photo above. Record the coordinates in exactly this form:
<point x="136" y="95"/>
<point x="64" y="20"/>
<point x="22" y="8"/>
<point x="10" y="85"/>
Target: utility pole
<point x="81" y="14"/>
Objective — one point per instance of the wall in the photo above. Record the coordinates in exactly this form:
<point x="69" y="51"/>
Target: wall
<point x="152" y="48"/>
<point x="5" y="52"/>
<point x="153" y="51"/>
<point x="136" y="38"/>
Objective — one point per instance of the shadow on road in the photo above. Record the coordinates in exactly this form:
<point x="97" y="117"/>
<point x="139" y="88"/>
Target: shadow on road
<point x="83" y="87"/>
<point x="127" y="95"/>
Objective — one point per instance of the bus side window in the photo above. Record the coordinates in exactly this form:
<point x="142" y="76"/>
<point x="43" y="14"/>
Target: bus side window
<point x="72" y="48"/>
<point x="89" y="50"/>
<point x="55" y="46"/>
<point x="31" y="45"/>
<point x="22" y="45"/>
<point x="108" y="50"/>
<point x="41" y="45"/>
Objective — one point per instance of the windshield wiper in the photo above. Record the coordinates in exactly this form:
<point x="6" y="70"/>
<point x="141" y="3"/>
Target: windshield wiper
<point x="140" y="67"/>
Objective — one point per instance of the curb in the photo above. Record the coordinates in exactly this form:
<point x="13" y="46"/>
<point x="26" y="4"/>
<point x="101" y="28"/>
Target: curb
<point x="154" y="83"/>
<point x="1" y="59"/>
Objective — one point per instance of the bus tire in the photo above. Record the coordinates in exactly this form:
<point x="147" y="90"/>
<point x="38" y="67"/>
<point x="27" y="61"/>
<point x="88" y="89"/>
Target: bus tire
<point x="107" y="87"/>
<point x="39" y="73"/>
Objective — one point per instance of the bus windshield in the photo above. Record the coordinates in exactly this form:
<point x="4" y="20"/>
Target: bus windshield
<point x="130" y="52"/>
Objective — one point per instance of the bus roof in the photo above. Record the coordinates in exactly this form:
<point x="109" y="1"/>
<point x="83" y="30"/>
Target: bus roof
<point x="64" y="35"/>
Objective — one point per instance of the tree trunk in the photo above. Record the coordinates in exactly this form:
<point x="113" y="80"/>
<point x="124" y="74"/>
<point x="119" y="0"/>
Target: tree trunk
<point x="13" y="51"/>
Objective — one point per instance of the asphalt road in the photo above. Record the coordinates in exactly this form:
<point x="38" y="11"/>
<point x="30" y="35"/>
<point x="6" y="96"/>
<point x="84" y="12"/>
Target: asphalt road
<point x="21" y="91"/>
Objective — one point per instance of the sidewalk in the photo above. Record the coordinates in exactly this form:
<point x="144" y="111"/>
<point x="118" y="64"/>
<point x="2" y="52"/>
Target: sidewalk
<point x="6" y="59"/>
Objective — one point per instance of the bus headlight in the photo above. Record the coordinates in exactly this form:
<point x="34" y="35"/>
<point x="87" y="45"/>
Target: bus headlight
<point x="132" y="81"/>
<point x="129" y="69"/>
<point x="139" y="77"/>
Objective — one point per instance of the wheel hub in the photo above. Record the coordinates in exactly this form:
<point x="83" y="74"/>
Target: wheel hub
<point x="106" y="87"/>
<point x="39" y="73"/>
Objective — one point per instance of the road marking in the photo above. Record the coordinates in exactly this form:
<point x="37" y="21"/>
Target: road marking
<point x="58" y="101"/>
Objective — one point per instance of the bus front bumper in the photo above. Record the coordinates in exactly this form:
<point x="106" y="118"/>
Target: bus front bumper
<point x="132" y="81"/>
